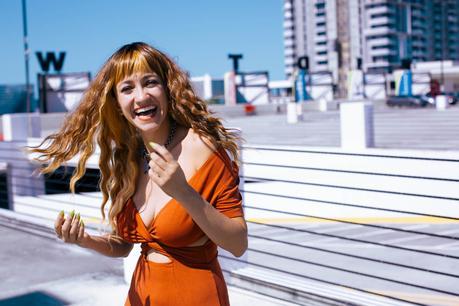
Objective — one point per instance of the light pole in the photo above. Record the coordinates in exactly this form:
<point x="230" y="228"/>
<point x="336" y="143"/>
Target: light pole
<point x="26" y="54"/>
<point x="443" y="30"/>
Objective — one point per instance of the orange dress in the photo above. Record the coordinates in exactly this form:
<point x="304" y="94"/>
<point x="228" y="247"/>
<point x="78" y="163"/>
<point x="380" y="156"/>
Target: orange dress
<point x="193" y="276"/>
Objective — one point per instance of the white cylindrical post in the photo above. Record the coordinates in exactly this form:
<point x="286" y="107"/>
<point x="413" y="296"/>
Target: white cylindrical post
<point x="292" y="112"/>
<point x="299" y="110"/>
<point x="230" y="88"/>
<point x="357" y="131"/>
<point x="441" y="102"/>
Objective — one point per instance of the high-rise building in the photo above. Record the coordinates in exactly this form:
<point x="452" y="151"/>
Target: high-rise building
<point x="375" y="35"/>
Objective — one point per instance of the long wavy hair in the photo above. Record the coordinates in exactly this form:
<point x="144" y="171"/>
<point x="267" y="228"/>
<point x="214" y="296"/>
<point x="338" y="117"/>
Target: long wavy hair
<point x="99" y="117"/>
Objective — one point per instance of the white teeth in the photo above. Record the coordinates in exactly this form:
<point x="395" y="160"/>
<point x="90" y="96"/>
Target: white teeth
<point x="144" y="109"/>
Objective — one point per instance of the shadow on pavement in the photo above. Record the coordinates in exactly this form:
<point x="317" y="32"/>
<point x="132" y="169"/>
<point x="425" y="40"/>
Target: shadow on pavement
<point x="38" y="298"/>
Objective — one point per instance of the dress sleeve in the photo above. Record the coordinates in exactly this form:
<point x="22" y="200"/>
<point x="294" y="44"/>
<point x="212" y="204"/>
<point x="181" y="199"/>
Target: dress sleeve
<point x="229" y="199"/>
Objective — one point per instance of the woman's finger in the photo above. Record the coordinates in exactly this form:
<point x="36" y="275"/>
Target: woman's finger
<point x="67" y="225"/>
<point x="74" y="229"/>
<point x="80" y="232"/>
<point x="162" y="151"/>
<point x="58" y="224"/>
<point x="158" y="160"/>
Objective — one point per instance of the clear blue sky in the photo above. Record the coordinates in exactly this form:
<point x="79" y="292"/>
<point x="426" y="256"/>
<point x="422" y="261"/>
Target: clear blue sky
<point x="199" y="34"/>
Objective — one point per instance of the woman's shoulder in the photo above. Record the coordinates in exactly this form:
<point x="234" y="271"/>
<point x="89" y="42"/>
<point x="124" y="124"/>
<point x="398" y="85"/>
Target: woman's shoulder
<point x="200" y="148"/>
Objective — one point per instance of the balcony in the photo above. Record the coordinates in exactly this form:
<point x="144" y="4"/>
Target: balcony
<point x="379" y="10"/>
<point x="380" y="42"/>
<point x="418" y="33"/>
<point x="287" y="5"/>
<point x="418" y="54"/>
<point x="418" y="43"/>
<point x="418" y="24"/>
<point x="321" y="58"/>
<point x="320" y="67"/>
<point x="321" y="29"/>
<point x="289" y="52"/>
<point x="288" y="61"/>
<point x="378" y="64"/>
<point x="288" y="23"/>
<point x="289" y="43"/>
<point x="382" y="52"/>
<point x="320" y="38"/>
<point x="381" y="21"/>
<point x="377" y="31"/>
<point x="320" y="19"/>
<point x="320" y="48"/>
<point x="289" y="33"/>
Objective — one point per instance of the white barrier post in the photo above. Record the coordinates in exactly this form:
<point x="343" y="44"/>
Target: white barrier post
<point x="441" y="102"/>
<point x="357" y="131"/>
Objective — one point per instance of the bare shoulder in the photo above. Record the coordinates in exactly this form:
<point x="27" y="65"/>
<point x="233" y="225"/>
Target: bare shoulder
<point x="201" y="148"/>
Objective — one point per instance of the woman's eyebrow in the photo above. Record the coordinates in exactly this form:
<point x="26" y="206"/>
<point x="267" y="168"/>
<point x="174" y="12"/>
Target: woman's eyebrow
<point x="150" y="75"/>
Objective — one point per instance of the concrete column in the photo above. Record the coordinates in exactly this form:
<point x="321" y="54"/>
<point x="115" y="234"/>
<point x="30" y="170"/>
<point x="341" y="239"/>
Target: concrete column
<point x="230" y="88"/>
<point x="357" y="131"/>
<point x="207" y="84"/>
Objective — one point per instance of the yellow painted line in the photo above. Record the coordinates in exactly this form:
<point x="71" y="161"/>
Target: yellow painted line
<point x="92" y="220"/>
<point x="364" y="220"/>
<point x="441" y="300"/>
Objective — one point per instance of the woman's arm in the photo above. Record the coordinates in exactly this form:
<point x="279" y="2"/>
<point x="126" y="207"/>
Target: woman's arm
<point x="228" y="233"/>
<point x="71" y="230"/>
<point x="108" y="245"/>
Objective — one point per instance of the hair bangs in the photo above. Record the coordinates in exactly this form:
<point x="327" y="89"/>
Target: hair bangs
<point x="129" y="64"/>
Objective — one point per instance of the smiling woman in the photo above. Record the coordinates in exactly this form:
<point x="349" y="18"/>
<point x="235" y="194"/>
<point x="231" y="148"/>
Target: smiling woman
<point x="143" y="112"/>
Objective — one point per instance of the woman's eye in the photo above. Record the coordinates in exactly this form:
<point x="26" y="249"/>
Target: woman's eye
<point x="152" y="82"/>
<point x="125" y="89"/>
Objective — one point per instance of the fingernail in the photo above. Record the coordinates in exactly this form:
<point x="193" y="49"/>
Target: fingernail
<point x="78" y="216"/>
<point x="72" y="213"/>
<point x="152" y="144"/>
<point x="81" y="222"/>
<point x="61" y="213"/>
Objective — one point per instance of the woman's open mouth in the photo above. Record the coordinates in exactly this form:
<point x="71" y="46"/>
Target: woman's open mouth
<point x="146" y="112"/>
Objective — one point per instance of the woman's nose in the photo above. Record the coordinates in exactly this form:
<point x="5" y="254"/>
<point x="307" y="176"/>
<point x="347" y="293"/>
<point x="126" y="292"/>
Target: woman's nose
<point x="139" y="93"/>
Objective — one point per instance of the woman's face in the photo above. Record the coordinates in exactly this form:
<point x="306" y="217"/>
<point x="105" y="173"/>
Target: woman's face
<point x="143" y="100"/>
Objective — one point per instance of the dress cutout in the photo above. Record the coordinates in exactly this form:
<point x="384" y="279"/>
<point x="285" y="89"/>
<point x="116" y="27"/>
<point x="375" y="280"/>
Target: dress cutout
<point x="193" y="276"/>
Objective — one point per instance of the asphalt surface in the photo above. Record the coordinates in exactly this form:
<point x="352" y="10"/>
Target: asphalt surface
<point x="396" y="128"/>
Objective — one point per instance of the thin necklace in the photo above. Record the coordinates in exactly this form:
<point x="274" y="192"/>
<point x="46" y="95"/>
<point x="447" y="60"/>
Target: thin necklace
<point x="146" y="156"/>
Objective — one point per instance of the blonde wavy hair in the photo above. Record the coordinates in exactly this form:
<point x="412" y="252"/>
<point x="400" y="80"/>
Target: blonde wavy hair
<point x="99" y="117"/>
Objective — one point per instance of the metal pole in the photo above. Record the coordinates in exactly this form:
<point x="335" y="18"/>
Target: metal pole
<point x="443" y="29"/>
<point x="26" y="59"/>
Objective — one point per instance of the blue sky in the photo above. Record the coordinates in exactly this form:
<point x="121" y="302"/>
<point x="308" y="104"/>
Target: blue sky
<point x="198" y="34"/>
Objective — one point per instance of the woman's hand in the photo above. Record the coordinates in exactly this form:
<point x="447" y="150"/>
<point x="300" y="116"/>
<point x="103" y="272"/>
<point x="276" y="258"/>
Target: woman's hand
<point x="70" y="229"/>
<point x="166" y="172"/>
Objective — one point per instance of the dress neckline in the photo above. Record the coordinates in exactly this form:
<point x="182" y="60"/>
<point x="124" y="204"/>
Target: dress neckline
<point x="189" y="181"/>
